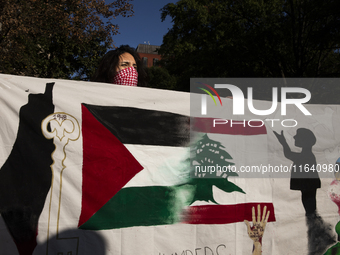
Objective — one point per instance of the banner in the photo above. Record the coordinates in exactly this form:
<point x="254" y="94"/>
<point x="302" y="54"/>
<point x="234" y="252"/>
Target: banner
<point x="94" y="168"/>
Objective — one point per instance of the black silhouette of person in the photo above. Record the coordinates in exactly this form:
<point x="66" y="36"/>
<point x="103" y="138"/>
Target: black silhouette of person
<point x="304" y="175"/>
<point x="25" y="177"/>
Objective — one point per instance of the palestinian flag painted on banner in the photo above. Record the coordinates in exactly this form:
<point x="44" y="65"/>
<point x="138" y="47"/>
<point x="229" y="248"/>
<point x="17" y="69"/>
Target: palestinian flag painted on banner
<point x="144" y="132"/>
<point x="141" y="202"/>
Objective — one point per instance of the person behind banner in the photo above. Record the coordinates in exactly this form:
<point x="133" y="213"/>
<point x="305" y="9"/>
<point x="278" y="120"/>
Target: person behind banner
<point x="121" y="66"/>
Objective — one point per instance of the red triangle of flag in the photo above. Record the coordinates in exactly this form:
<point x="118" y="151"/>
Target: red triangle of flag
<point x="107" y="166"/>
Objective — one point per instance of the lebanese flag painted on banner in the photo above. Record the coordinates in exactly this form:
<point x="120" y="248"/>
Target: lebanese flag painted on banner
<point x="247" y="145"/>
<point x="143" y="180"/>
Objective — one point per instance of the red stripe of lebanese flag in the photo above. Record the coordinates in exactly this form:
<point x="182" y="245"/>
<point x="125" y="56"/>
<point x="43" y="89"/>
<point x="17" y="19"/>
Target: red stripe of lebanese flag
<point x="225" y="214"/>
<point x="228" y="127"/>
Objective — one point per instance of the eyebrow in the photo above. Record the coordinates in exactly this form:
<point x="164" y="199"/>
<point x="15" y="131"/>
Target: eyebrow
<point x="127" y="62"/>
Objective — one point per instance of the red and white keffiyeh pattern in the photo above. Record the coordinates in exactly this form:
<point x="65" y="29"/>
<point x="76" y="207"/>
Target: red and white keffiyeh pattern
<point x="127" y="76"/>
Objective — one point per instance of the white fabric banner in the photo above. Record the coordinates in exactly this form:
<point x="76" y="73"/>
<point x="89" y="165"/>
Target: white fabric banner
<point x="92" y="168"/>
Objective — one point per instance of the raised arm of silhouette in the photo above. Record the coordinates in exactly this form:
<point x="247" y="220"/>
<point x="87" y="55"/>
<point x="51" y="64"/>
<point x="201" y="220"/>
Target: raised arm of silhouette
<point x="304" y="175"/>
<point x="256" y="231"/>
<point x="25" y="177"/>
<point x="286" y="149"/>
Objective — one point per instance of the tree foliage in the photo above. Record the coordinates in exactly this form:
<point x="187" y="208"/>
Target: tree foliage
<point x="252" y="38"/>
<point x="160" y="78"/>
<point x="56" y="38"/>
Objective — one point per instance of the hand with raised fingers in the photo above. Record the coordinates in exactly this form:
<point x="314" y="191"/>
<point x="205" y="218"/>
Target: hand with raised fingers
<point x="280" y="137"/>
<point x="256" y="231"/>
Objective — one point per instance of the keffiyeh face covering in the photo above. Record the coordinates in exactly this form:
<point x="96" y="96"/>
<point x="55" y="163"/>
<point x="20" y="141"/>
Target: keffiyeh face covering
<point x="127" y="76"/>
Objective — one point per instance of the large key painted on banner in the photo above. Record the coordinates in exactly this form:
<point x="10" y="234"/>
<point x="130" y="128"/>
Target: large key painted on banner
<point x="63" y="129"/>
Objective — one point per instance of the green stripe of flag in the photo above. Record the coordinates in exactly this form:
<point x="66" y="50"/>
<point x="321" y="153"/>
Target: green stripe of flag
<point x="141" y="206"/>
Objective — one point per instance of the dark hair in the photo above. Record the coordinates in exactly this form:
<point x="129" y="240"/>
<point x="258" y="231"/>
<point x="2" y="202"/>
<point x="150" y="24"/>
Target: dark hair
<point x="307" y="136"/>
<point x="106" y="70"/>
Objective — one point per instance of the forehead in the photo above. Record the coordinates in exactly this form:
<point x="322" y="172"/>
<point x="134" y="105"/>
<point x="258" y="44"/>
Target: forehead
<point x="126" y="57"/>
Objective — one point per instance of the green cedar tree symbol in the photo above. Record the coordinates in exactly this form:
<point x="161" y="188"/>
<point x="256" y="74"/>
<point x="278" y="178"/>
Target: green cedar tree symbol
<point x="211" y="153"/>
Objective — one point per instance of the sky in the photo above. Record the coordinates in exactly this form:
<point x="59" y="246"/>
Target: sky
<point x="145" y="27"/>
